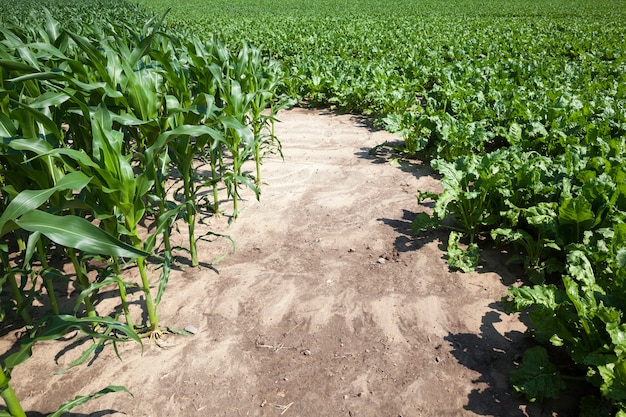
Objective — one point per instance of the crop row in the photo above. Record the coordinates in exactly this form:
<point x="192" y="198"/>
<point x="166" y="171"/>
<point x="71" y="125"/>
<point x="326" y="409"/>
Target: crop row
<point x="110" y="134"/>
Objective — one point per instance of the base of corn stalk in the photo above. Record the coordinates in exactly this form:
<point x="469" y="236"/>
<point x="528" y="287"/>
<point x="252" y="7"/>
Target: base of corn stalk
<point x="155" y="336"/>
<point x="150" y="333"/>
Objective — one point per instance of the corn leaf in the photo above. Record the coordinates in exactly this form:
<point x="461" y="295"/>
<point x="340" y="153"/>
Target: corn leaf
<point x="58" y="326"/>
<point x="25" y="352"/>
<point x="14" y="65"/>
<point x="49" y="99"/>
<point x="80" y="157"/>
<point x="29" y="200"/>
<point x="78" y="233"/>
<point x="48" y="75"/>
<point x="45" y="122"/>
<point x="35" y="145"/>
<point x="7" y="128"/>
<point x="82" y="399"/>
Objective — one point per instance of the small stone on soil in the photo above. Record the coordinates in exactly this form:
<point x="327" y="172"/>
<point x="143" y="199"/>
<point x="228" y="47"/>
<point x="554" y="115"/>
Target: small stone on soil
<point x="191" y="329"/>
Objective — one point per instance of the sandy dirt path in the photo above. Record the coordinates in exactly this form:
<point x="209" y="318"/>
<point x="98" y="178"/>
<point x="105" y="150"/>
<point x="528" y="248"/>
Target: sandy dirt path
<point x="329" y="306"/>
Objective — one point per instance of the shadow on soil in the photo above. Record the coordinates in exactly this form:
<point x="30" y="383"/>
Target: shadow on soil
<point x="491" y="259"/>
<point x="406" y="240"/>
<point x="493" y="355"/>
<point x="102" y="413"/>
<point x="386" y="155"/>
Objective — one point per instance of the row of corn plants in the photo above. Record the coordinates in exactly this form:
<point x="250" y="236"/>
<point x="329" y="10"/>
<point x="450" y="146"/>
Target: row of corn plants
<point x="106" y="134"/>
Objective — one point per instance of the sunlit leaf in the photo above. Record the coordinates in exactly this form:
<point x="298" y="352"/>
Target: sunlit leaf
<point x="78" y="233"/>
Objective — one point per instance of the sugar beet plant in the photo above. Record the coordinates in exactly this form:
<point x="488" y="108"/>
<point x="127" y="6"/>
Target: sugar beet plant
<point x="97" y="129"/>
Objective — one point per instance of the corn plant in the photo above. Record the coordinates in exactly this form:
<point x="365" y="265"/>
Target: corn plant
<point x="32" y="161"/>
<point x="260" y="78"/>
<point x="141" y="99"/>
<point x="192" y="115"/>
<point x="91" y="139"/>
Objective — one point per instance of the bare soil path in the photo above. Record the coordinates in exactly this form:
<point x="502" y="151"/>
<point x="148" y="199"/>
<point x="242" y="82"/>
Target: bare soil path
<point x="329" y="307"/>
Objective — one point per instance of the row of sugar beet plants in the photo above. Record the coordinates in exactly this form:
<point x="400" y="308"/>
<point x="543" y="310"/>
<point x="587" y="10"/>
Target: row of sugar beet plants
<point x="103" y="134"/>
<point x="536" y="162"/>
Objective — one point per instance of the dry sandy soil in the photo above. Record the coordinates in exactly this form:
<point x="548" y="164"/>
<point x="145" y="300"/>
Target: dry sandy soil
<point x="330" y="306"/>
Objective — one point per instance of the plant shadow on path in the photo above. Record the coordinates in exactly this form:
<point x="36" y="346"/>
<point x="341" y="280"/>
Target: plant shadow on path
<point x="407" y="241"/>
<point x="101" y="413"/>
<point x="386" y="155"/>
<point x="492" y="355"/>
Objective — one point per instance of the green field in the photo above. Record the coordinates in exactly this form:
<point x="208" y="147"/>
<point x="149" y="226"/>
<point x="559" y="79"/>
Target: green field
<point x="363" y="56"/>
<point x="519" y="105"/>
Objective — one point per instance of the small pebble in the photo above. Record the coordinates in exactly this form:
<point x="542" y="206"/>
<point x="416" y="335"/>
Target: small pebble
<point x="381" y="260"/>
<point x="191" y="329"/>
<point x="306" y="352"/>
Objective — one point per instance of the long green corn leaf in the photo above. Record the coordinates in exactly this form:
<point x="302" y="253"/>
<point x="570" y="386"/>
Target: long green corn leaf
<point x="79" y="157"/>
<point x="185" y="130"/>
<point x="82" y="399"/>
<point x="78" y="233"/>
<point x="41" y="118"/>
<point x="29" y="200"/>
<point x="57" y="326"/>
<point x="14" y="65"/>
<point x="35" y="145"/>
<point x="39" y="76"/>
<point x="49" y="99"/>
